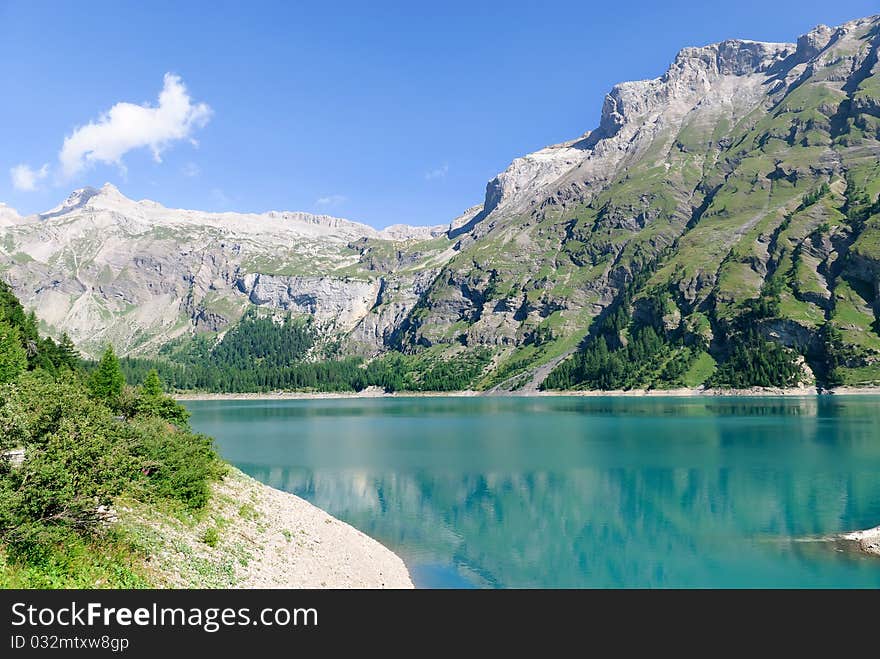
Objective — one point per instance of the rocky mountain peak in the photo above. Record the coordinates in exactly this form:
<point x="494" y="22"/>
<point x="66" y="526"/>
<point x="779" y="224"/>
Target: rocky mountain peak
<point x="736" y="57"/>
<point x="76" y="199"/>
<point x="110" y="190"/>
<point x="80" y="196"/>
<point x="108" y="194"/>
<point x="110" y="206"/>
<point x="693" y="72"/>
<point x="814" y="42"/>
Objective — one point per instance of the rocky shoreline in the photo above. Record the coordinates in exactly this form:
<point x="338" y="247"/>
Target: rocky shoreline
<point x="868" y="540"/>
<point x="254" y="536"/>
<point x="375" y="392"/>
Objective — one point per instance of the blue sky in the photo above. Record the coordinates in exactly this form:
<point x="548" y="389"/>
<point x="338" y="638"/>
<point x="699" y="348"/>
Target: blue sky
<point x="380" y="112"/>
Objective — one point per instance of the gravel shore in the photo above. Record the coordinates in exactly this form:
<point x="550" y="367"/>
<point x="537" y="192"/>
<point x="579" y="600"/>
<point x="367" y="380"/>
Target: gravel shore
<point x="297" y="545"/>
<point x="375" y="392"/>
<point x="869" y="540"/>
<point x="254" y="536"/>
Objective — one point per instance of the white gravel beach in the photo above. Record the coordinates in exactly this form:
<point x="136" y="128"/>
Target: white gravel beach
<point x="376" y="392"/>
<point x="869" y="540"/>
<point x="316" y="551"/>
<point x="254" y="536"/>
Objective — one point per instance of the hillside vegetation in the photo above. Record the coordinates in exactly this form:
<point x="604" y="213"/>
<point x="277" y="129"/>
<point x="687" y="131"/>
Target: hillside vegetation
<point x="73" y="450"/>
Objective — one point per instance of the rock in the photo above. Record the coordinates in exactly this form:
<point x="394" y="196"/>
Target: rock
<point x="868" y="540"/>
<point x="8" y="216"/>
<point x="106" y="268"/>
<point x="341" y="302"/>
<point x="682" y="187"/>
<point x="814" y="42"/>
<point x="15" y="456"/>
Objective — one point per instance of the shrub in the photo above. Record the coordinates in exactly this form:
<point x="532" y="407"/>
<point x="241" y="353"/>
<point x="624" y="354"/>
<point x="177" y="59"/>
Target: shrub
<point x="174" y="464"/>
<point x="85" y="444"/>
<point x="79" y="456"/>
<point x="211" y="536"/>
<point x="75" y="460"/>
<point x="150" y="401"/>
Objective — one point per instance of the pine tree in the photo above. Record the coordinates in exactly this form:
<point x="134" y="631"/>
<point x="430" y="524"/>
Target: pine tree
<point x="107" y="381"/>
<point x="152" y="384"/>
<point x="68" y="353"/>
<point x="151" y="401"/>
<point x="13" y="358"/>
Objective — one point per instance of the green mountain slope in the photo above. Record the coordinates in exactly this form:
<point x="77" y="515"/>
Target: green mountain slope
<point x="743" y="221"/>
<point x="719" y="227"/>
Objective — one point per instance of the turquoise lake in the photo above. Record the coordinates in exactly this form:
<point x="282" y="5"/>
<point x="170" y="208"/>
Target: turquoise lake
<point x="580" y="492"/>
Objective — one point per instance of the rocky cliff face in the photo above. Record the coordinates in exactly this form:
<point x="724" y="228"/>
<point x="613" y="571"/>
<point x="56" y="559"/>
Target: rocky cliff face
<point x="700" y="177"/>
<point x="694" y="183"/>
<point x="339" y="303"/>
<point x="109" y="269"/>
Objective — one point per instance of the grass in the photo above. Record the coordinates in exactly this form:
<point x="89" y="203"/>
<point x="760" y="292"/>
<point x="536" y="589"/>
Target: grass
<point x="740" y="206"/>
<point x="854" y="317"/>
<point x="862" y="376"/>
<point x="701" y="369"/>
<point x="211" y="536"/>
<point x="517" y="362"/>
<point x="805" y="313"/>
<point x="808" y="278"/>
<point x="230" y="306"/>
<point x="247" y="511"/>
<point x="868" y="243"/>
<point x="186" y="548"/>
<point x="21" y="258"/>
<point x="113" y="561"/>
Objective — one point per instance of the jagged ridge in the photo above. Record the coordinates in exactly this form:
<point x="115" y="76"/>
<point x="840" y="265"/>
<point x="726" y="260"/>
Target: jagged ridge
<point x="697" y="178"/>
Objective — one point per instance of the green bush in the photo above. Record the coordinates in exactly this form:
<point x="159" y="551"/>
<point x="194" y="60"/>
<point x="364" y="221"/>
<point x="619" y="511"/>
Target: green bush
<point x="77" y="458"/>
<point x="174" y="464"/>
<point x="211" y="536"/>
<point x="86" y="442"/>
<point x="150" y="401"/>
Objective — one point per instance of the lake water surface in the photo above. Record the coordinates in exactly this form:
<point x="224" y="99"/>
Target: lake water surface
<point x="580" y="492"/>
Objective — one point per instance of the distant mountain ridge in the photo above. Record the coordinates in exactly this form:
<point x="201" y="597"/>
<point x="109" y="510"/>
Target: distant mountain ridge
<point x="730" y="201"/>
<point x="109" y="198"/>
<point x="134" y="273"/>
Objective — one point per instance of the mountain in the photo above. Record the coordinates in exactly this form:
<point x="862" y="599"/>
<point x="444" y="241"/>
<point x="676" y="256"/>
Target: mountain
<point x="109" y="269"/>
<point x="721" y="218"/>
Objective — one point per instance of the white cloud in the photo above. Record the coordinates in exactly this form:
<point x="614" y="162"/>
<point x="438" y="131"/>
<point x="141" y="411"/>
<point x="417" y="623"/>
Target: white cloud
<point x="26" y="179"/>
<point x="438" y="172"/>
<point x="190" y="170"/>
<point x="127" y="126"/>
<point x="330" y="201"/>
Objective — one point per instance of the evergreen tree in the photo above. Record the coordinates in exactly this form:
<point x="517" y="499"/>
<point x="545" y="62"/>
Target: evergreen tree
<point x="107" y="381"/>
<point x="834" y="355"/>
<point x="13" y="358"/>
<point x="757" y="362"/>
<point x="151" y="401"/>
<point x="78" y="455"/>
<point x="152" y="384"/>
<point x="67" y="353"/>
